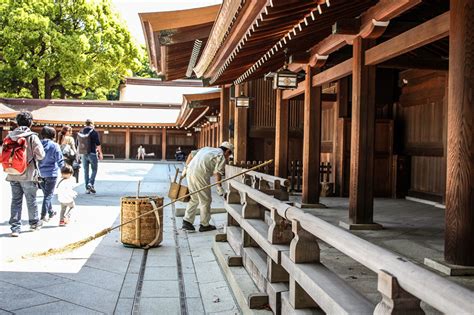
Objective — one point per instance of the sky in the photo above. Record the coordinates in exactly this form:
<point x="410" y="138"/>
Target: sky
<point x="129" y="10"/>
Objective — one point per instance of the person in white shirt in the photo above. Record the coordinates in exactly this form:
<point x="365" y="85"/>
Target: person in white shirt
<point x="205" y="163"/>
<point x="66" y="194"/>
<point x="141" y="153"/>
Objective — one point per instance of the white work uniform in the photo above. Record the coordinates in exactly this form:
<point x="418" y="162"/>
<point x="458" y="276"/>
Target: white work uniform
<point x="207" y="162"/>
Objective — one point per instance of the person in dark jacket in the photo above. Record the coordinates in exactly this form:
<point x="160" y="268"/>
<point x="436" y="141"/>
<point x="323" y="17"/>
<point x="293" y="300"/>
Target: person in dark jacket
<point x="49" y="170"/>
<point x="91" y="157"/>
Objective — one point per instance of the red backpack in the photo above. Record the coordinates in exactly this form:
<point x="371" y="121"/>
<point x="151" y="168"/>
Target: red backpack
<point x="14" y="156"/>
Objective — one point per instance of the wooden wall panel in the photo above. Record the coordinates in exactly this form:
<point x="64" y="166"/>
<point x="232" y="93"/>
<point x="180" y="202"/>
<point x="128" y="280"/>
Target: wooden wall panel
<point x="425" y="174"/>
<point x="262" y="110"/>
<point x="421" y="125"/>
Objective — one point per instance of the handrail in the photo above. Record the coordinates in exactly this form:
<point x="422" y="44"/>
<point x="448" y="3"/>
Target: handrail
<point x="440" y="293"/>
<point x="270" y="178"/>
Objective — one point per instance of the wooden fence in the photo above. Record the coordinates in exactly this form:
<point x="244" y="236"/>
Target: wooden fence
<point x="295" y="172"/>
<point x="278" y="246"/>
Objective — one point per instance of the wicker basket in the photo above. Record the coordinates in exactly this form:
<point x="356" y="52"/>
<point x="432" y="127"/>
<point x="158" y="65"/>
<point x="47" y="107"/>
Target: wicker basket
<point x="144" y="230"/>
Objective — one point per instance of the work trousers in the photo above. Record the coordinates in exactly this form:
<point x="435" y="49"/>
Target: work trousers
<point x="201" y="200"/>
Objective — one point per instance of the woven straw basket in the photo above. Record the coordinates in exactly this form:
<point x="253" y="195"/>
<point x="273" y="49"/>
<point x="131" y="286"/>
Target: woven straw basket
<point x="145" y="230"/>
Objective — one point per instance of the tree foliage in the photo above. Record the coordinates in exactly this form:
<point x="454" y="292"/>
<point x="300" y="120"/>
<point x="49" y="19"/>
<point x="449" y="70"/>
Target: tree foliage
<point x="63" y="48"/>
<point x="145" y="70"/>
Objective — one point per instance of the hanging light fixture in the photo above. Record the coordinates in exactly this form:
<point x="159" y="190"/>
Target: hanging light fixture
<point x="242" y="101"/>
<point x="212" y="118"/>
<point x="189" y="134"/>
<point x="197" y="129"/>
<point x="284" y="79"/>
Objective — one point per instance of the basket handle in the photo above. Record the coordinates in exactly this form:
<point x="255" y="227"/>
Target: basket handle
<point x="180" y="180"/>
<point x="176" y="175"/>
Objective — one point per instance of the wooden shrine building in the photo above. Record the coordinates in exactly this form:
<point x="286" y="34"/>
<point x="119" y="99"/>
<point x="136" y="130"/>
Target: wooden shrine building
<point x="384" y="94"/>
<point x="158" y="124"/>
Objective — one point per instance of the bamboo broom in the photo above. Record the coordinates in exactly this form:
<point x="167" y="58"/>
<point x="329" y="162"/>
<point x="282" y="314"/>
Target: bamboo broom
<point x="72" y="246"/>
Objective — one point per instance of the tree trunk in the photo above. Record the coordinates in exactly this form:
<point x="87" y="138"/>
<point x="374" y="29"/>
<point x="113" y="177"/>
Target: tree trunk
<point x="34" y="88"/>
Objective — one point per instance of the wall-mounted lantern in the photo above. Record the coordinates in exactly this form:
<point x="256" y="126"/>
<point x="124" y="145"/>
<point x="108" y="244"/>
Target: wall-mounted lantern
<point x="106" y="132"/>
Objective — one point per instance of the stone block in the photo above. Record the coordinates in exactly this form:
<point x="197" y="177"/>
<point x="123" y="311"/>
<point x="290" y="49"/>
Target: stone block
<point x="57" y="308"/>
<point x="160" y="289"/>
<point x="160" y="273"/>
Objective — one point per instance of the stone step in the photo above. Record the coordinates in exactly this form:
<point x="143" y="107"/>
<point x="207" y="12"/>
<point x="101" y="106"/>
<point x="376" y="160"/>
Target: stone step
<point x="246" y="293"/>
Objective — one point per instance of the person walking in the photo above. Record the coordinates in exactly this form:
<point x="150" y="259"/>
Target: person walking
<point x="49" y="169"/>
<point x="24" y="183"/>
<point x="66" y="194"/>
<point x="67" y="144"/>
<point x="88" y="145"/>
<point x="207" y="162"/>
<point x="69" y="150"/>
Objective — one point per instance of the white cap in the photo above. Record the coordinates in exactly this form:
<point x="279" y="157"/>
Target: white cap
<point x="228" y="145"/>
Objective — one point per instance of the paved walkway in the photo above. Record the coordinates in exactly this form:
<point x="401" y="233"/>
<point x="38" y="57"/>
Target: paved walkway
<point x="180" y="277"/>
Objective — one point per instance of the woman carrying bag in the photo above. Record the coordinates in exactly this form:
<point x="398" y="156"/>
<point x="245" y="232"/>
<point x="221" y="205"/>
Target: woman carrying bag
<point x="68" y="148"/>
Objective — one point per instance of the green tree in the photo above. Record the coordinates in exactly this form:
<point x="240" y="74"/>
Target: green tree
<point x="145" y="70"/>
<point x="63" y="48"/>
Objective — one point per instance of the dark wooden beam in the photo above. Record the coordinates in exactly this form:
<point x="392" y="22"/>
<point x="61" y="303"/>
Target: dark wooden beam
<point x="346" y="27"/>
<point x="361" y="200"/>
<point x="184" y="34"/>
<point x="459" y="232"/>
<point x="311" y="139"/>
<point x="415" y="63"/>
<point x="419" y="36"/>
<point x="337" y="72"/>
<point x="281" y="136"/>
<point x="383" y="11"/>
<point x="287" y="94"/>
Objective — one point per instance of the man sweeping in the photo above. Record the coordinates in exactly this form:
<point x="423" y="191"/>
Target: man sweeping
<point x="203" y="165"/>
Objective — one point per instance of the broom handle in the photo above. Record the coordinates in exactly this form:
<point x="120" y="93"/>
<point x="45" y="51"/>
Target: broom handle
<point x="192" y="193"/>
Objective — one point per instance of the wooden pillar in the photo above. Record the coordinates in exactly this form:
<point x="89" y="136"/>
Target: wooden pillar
<point x="281" y="136"/>
<point x="224" y="115"/>
<point x="342" y="110"/>
<point x="208" y="130"/>
<point x="213" y="135"/>
<point x="127" y="144"/>
<point x="361" y="200"/>
<point x="311" y="139"/>
<point x="163" y="143"/>
<point x="240" y="129"/>
<point x="459" y="234"/>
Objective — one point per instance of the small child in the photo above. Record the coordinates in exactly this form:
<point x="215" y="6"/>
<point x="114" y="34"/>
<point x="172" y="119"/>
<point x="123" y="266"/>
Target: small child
<point x="66" y="194"/>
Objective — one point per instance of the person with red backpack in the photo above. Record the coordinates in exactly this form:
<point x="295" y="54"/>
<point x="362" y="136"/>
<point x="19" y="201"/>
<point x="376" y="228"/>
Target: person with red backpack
<point x="21" y="151"/>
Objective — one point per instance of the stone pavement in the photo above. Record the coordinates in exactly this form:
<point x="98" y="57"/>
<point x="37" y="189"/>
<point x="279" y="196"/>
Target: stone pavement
<point x="180" y="277"/>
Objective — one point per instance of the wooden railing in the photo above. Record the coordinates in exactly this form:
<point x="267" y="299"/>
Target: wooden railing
<point x="275" y="186"/>
<point x="267" y="169"/>
<point x="278" y="245"/>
